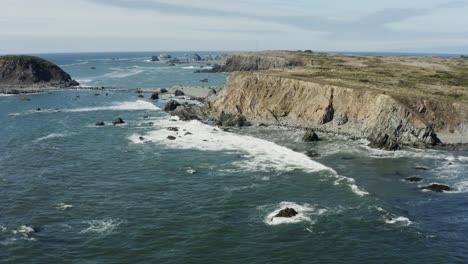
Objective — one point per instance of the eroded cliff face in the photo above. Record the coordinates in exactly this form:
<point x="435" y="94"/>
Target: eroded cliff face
<point x="387" y="121"/>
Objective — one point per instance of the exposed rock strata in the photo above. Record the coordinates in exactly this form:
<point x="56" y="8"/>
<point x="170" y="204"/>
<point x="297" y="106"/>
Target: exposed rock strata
<point x="387" y="121"/>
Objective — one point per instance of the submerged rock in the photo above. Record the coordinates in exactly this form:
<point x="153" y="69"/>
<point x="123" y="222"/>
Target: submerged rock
<point x="312" y="154"/>
<point x="437" y="188"/>
<point x="288" y="212"/>
<point x="175" y="129"/>
<point x="141" y="96"/>
<point x="171" y="106"/>
<point x="118" y="121"/>
<point x="421" y="168"/>
<point x="413" y="179"/>
<point x="310" y="136"/>
<point x="100" y="123"/>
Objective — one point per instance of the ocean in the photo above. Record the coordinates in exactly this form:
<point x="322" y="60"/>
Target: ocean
<point x="72" y="192"/>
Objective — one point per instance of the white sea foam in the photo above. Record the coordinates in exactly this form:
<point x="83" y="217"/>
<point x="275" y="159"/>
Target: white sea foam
<point x="74" y="64"/>
<point x="3" y="228"/>
<point x="197" y="67"/>
<point x="123" y="73"/>
<point x="103" y="227"/>
<point x="54" y="135"/>
<point x="305" y="212"/>
<point x="400" y="220"/>
<point x="121" y="106"/>
<point x="63" y="206"/>
<point x="261" y="155"/>
<point x="6" y="94"/>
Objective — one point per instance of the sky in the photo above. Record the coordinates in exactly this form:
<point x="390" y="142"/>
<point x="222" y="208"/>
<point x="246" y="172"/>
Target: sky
<point x="50" y="26"/>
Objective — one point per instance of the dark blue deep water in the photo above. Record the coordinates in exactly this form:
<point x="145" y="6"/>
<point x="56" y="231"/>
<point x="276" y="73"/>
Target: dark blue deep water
<point x="75" y="193"/>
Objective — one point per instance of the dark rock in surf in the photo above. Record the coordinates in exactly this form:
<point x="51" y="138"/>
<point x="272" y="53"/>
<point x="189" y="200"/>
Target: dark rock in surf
<point x="437" y="188"/>
<point x="310" y="136"/>
<point x="154" y="58"/>
<point x="163" y="90"/>
<point x="312" y="154"/>
<point x="175" y="129"/>
<point x="196" y="57"/>
<point x="187" y="113"/>
<point x="100" y="124"/>
<point x="171" y="106"/>
<point x="141" y="96"/>
<point x="118" y="121"/>
<point x="171" y="138"/>
<point x="288" y="212"/>
<point x="154" y="96"/>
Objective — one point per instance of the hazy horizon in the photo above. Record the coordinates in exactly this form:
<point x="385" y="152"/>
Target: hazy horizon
<point x="54" y="26"/>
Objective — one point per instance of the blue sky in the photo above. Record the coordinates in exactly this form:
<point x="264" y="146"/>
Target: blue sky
<point x="31" y="26"/>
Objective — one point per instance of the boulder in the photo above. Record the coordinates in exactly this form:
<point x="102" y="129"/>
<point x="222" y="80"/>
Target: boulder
<point x="142" y="138"/>
<point x="288" y="212"/>
<point x="204" y="80"/>
<point x="212" y="92"/>
<point x="232" y="120"/>
<point x="163" y="90"/>
<point x="118" y="121"/>
<point x="100" y="123"/>
<point x="154" y="96"/>
<point x="384" y="141"/>
<point x="179" y="93"/>
<point x="171" y="138"/>
<point x="437" y="188"/>
<point x="413" y="179"/>
<point x="190" y="112"/>
<point x="154" y="58"/>
<point x="175" y="129"/>
<point x="310" y="136"/>
<point x="171" y="106"/>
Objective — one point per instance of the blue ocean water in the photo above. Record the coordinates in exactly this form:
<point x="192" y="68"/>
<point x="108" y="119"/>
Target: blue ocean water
<point x="76" y="193"/>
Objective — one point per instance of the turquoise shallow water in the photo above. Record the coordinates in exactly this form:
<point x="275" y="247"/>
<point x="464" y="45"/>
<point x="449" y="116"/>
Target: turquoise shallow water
<point x="74" y="193"/>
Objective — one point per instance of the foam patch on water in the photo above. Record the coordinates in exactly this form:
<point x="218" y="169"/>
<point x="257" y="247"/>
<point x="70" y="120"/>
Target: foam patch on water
<point x="63" y="206"/>
<point x="103" y="227"/>
<point x="54" y="135"/>
<point x="260" y="155"/>
<point x="400" y="220"/>
<point x="305" y="212"/>
<point x="122" y="106"/>
<point x="6" y="94"/>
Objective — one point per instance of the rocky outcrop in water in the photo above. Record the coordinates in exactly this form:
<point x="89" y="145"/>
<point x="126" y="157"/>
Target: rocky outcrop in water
<point x="287" y="212"/>
<point x="310" y="136"/>
<point x="437" y="188"/>
<point x="118" y="121"/>
<point x="28" y="71"/>
<point x="171" y="105"/>
<point x="187" y="113"/>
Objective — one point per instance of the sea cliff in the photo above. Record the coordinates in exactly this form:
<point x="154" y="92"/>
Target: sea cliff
<point x="388" y="116"/>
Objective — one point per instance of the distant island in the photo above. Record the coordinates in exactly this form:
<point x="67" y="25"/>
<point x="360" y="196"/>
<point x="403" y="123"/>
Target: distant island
<point x="19" y="74"/>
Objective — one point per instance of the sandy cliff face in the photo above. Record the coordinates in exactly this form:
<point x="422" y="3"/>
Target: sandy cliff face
<point x="385" y="120"/>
